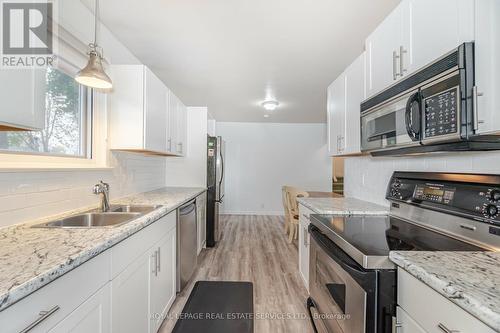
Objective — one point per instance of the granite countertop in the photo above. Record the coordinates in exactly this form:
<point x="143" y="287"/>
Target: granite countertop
<point x="471" y="280"/>
<point x="343" y="206"/>
<point x="32" y="257"/>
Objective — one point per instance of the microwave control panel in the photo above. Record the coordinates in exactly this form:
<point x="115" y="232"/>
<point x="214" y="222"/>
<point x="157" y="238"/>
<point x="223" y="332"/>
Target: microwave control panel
<point x="441" y="113"/>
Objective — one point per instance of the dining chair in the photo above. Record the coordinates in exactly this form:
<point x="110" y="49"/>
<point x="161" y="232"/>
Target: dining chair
<point x="293" y="194"/>
<point x="286" y="207"/>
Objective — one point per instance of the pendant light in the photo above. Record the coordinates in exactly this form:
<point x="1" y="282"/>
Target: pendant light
<point x="93" y="75"/>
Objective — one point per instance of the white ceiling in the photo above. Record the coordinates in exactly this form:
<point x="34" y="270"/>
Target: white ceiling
<point x="230" y="54"/>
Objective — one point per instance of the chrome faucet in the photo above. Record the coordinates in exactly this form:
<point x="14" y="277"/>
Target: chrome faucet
<point x="102" y="189"/>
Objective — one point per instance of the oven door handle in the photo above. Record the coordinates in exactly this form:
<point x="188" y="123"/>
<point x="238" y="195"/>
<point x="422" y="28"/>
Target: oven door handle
<point x="413" y="133"/>
<point x="310" y="304"/>
<point x="340" y="257"/>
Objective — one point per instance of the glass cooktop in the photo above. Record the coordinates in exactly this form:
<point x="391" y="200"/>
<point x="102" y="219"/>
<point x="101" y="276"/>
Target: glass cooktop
<point x="368" y="239"/>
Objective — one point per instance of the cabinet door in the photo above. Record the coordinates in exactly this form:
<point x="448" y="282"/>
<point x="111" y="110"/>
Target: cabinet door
<point x="487" y="62"/>
<point x="433" y="28"/>
<point x="406" y="324"/>
<point x="23" y="98"/>
<point x="174" y="101"/>
<point x="382" y="47"/>
<point x="201" y="207"/>
<point x="181" y="128"/>
<point x="336" y="119"/>
<point x="354" y="95"/>
<point x="154" y="113"/>
<point x="163" y="279"/>
<point x="130" y="297"/>
<point x="94" y="315"/>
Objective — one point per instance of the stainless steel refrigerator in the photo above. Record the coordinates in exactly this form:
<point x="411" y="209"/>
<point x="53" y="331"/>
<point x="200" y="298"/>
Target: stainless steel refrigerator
<point x="215" y="186"/>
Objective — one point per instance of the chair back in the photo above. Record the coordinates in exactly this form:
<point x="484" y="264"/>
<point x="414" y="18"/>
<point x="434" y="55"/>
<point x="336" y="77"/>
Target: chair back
<point x="286" y="202"/>
<point x="293" y="194"/>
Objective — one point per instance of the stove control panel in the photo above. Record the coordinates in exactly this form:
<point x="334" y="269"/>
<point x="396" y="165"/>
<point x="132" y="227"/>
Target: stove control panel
<point x="458" y="194"/>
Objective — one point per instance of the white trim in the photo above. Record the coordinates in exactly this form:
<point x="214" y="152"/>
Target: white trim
<point x="272" y="213"/>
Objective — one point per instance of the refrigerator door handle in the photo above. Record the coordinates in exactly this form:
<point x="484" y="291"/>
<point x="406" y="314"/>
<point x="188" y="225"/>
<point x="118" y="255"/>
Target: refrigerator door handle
<point x="222" y="172"/>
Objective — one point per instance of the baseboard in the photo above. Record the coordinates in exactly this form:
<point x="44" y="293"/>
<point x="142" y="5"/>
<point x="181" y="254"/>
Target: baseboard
<point x="275" y="213"/>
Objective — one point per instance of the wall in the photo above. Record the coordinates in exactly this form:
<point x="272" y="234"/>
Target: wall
<point x="191" y="170"/>
<point x="367" y="177"/>
<point x="29" y="195"/>
<point x="262" y="157"/>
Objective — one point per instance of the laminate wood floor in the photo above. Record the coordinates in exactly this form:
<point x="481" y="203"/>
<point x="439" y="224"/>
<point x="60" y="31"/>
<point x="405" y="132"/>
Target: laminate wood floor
<point x="255" y="249"/>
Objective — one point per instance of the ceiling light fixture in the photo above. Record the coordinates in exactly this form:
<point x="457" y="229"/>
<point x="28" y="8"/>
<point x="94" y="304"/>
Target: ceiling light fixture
<point x="270" y="105"/>
<point x="93" y="75"/>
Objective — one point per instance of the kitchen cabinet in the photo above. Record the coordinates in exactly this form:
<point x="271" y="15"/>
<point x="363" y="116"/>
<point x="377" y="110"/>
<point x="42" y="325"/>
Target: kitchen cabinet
<point x="177" y="126"/>
<point x="23" y="99"/>
<point x="487" y="65"/>
<point x="345" y="95"/>
<point x="92" y="316"/>
<point x="303" y="243"/>
<point x="144" y="116"/>
<point x="406" y="324"/>
<point x="144" y="290"/>
<point x="162" y="278"/>
<point x="414" y="34"/>
<point x="425" y="310"/>
<point x="201" y="215"/>
<point x="50" y="306"/>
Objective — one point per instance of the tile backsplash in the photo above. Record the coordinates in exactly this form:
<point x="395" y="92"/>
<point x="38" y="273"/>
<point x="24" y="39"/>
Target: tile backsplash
<point x="367" y="177"/>
<point x="26" y="196"/>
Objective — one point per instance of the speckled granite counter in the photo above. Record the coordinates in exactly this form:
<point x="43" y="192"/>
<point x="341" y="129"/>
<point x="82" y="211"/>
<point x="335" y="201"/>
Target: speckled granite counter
<point x="32" y="257"/>
<point x="469" y="279"/>
<point x="343" y="206"/>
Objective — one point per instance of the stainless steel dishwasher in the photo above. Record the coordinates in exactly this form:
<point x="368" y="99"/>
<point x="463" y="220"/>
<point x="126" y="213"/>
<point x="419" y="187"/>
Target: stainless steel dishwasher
<point x="186" y="243"/>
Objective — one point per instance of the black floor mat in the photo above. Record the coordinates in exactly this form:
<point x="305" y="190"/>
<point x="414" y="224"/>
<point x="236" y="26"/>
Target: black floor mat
<point x="218" y="307"/>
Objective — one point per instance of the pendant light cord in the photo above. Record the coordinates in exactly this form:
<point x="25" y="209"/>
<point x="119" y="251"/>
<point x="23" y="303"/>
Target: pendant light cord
<point x="96" y="18"/>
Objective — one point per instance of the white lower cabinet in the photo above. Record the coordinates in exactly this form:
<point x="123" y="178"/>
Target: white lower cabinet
<point x="92" y="316"/>
<point x="407" y="324"/>
<point x="201" y="216"/>
<point x="304" y="242"/>
<point x="128" y="288"/>
<point x="425" y="310"/>
<point x="162" y="279"/>
<point x="130" y="297"/>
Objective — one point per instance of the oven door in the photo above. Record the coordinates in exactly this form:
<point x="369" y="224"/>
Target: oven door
<point x="393" y="124"/>
<point x="342" y="293"/>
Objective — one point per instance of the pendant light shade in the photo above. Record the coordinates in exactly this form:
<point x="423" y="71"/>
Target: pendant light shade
<point x="93" y="75"/>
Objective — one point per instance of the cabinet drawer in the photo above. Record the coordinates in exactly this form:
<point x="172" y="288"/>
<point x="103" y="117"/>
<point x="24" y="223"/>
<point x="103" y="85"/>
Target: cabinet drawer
<point x="59" y="297"/>
<point x="131" y="248"/>
<point x="431" y="310"/>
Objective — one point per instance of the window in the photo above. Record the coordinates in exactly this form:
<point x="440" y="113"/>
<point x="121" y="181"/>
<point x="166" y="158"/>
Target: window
<point x="68" y="117"/>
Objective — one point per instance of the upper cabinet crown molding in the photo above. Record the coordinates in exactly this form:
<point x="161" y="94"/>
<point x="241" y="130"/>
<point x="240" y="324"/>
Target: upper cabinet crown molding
<point x="144" y="114"/>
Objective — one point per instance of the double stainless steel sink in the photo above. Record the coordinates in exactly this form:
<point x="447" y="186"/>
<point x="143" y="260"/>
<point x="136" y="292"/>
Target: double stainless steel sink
<point x="116" y="216"/>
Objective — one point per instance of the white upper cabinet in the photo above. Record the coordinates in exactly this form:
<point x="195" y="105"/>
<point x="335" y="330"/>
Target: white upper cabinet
<point x="344" y="98"/>
<point x="487" y="62"/>
<point x="23" y="99"/>
<point x="433" y="28"/>
<point x="155" y="112"/>
<point x="416" y="33"/>
<point x="382" y="49"/>
<point x="144" y="115"/>
<point x="177" y="126"/>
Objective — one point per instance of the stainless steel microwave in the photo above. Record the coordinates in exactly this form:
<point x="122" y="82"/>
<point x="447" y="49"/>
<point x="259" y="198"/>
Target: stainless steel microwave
<point x="430" y="111"/>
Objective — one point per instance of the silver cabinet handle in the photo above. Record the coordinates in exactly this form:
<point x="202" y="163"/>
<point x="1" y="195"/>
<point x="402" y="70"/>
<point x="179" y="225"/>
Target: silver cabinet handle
<point x="395" y="325"/>
<point x="305" y="237"/>
<point x="158" y="261"/>
<point x="402" y="51"/>
<point x="155" y="266"/>
<point x="43" y="315"/>
<point x="446" y="329"/>
<point x="475" y="95"/>
<point x="395" y="58"/>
